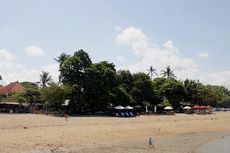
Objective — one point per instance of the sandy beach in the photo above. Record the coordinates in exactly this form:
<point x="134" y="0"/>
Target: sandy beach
<point x="30" y="133"/>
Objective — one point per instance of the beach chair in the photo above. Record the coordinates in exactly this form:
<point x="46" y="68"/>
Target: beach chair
<point x="131" y="114"/>
<point x="122" y="114"/>
<point x="127" y="114"/>
<point x="117" y="115"/>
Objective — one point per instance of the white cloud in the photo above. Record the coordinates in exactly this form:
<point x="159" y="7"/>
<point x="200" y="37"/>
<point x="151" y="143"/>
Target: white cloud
<point x="155" y="55"/>
<point x="53" y="70"/>
<point x="11" y="70"/>
<point x="160" y="56"/>
<point x="135" y="38"/>
<point x="217" y="78"/>
<point x="120" y="59"/>
<point x="118" y="28"/>
<point x="34" y="51"/>
<point x="6" y="55"/>
<point x="203" y="55"/>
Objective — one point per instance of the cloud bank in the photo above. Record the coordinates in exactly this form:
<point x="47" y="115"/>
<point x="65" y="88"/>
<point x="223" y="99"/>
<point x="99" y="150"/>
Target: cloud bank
<point x="203" y="55"/>
<point x="12" y="70"/>
<point x="34" y="51"/>
<point x="160" y="56"/>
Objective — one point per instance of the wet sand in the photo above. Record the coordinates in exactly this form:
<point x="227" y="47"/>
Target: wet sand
<point x="26" y="133"/>
<point x="218" y="146"/>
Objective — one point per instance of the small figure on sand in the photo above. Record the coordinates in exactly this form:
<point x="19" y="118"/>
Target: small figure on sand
<point x="151" y="142"/>
<point x="66" y="117"/>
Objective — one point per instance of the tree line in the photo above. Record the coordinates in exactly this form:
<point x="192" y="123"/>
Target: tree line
<point x="95" y="87"/>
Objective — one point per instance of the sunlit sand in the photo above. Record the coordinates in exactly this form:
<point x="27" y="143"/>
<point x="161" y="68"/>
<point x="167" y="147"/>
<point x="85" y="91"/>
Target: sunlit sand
<point x="171" y="134"/>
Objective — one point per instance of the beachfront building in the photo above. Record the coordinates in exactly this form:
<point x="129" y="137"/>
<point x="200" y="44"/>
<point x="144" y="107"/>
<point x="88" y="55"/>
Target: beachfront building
<point x="13" y="87"/>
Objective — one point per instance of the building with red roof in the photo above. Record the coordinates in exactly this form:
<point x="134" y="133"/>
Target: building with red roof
<point x="13" y="87"/>
<point x="1" y="86"/>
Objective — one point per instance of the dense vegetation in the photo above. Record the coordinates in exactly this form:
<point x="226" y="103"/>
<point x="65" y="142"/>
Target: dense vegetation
<point x="94" y="87"/>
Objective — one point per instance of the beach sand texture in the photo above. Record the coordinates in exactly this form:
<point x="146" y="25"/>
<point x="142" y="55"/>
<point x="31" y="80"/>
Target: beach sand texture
<point x="30" y="133"/>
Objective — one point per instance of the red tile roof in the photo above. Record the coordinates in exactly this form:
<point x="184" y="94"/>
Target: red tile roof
<point x="11" y="88"/>
<point x="1" y="87"/>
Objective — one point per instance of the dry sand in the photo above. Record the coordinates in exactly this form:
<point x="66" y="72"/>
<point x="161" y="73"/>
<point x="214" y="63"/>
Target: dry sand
<point x="172" y="134"/>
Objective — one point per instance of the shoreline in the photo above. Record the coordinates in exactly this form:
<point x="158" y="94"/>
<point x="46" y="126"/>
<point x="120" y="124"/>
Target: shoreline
<point x="220" y="145"/>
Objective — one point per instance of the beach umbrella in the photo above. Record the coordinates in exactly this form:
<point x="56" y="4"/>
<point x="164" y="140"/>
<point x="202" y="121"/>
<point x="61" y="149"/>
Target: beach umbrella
<point x="202" y="107"/>
<point x="119" y="107"/>
<point x="168" y="108"/>
<point x="186" y="107"/>
<point x="128" y="107"/>
<point x="196" y="107"/>
<point x="208" y="107"/>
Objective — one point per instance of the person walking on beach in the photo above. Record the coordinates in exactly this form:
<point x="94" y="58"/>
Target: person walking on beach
<point x="151" y="142"/>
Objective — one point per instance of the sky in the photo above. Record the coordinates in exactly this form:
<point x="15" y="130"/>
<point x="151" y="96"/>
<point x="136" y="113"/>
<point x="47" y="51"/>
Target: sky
<point x="190" y="36"/>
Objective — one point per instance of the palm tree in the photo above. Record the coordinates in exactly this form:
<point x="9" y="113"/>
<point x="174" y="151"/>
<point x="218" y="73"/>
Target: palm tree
<point x="45" y="79"/>
<point x="60" y="59"/>
<point x="168" y="73"/>
<point x="152" y="72"/>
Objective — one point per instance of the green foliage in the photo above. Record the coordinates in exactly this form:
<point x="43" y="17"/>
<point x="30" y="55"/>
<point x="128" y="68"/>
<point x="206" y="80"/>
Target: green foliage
<point x="168" y="73"/>
<point x="45" y="79"/>
<point x="19" y="97"/>
<point x="61" y="59"/>
<point x="30" y="95"/>
<point x="173" y="90"/>
<point x="92" y="87"/>
<point x="152" y="72"/>
<point x="100" y="81"/>
<point x="142" y="89"/>
<point x="29" y="85"/>
<point x="54" y="96"/>
<point x="157" y="83"/>
<point x="73" y="68"/>
<point x="121" y="97"/>
<point x="125" y="79"/>
<point x="225" y="103"/>
<point x="164" y="103"/>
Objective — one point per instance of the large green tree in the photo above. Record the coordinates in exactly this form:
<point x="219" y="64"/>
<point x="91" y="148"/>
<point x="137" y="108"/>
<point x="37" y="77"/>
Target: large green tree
<point x="99" y="85"/>
<point x="192" y="91"/>
<point x="142" y="91"/>
<point x="169" y="89"/>
<point x="73" y="68"/>
<point x="173" y="90"/>
<point x="125" y="79"/>
<point x="72" y="73"/>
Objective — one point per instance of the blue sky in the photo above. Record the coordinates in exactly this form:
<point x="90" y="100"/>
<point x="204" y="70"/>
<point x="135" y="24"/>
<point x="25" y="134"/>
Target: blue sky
<point x="191" y="36"/>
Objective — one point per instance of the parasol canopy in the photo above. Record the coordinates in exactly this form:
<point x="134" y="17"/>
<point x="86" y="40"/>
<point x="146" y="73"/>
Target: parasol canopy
<point x="186" y="107"/>
<point x="196" y="107"/>
<point x="168" y="108"/>
<point x="119" y="107"/>
<point x="128" y="107"/>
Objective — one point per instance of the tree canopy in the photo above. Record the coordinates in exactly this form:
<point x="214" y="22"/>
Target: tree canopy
<point x="94" y="87"/>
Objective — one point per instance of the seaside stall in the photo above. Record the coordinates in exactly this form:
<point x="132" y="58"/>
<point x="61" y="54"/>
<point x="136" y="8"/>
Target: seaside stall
<point x="11" y="107"/>
<point x="187" y="110"/>
<point x="169" y="110"/>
